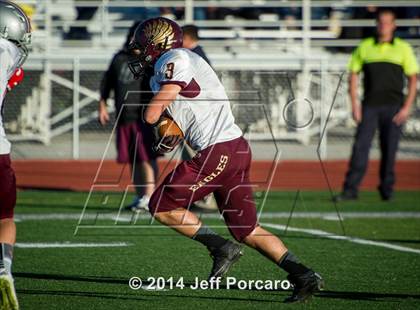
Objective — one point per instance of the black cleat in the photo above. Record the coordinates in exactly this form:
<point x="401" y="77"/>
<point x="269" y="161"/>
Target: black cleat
<point x="305" y="285"/>
<point x="345" y="197"/>
<point x="224" y="258"/>
<point x="386" y="195"/>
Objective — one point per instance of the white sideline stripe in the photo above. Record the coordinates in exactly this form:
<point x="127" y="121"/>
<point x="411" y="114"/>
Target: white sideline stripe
<point x="328" y="235"/>
<point x="264" y="215"/>
<point x="45" y="245"/>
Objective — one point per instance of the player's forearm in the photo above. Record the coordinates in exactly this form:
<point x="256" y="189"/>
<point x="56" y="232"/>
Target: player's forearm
<point x="160" y="102"/>
<point x="105" y="88"/>
<point x="102" y="104"/>
<point x="412" y="91"/>
<point x="353" y="87"/>
<point x="153" y="111"/>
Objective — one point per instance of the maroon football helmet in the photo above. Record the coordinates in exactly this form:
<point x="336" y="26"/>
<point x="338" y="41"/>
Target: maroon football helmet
<point x="151" y="39"/>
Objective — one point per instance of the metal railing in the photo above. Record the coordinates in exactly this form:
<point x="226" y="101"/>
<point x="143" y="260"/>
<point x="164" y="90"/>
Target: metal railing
<point x="238" y="49"/>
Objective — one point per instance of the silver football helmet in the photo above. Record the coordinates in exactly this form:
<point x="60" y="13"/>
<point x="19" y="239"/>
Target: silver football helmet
<point x="15" y="27"/>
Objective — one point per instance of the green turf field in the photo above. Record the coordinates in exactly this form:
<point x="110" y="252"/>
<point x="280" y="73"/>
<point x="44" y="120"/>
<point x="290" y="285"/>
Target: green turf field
<point x="378" y="268"/>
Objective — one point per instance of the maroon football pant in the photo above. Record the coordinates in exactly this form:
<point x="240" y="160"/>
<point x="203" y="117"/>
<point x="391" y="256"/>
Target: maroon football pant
<point x="223" y="169"/>
<point x="7" y="188"/>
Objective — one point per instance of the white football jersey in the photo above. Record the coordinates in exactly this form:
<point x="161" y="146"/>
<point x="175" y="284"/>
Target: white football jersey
<point x="202" y="109"/>
<point x="9" y="59"/>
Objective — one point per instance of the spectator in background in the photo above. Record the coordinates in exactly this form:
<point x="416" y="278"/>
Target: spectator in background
<point x="135" y="13"/>
<point x="215" y="13"/>
<point x="84" y="13"/>
<point x="368" y="12"/>
<point x="249" y="13"/>
<point x="167" y="12"/>
<point x="413" y="13"/>
<point x="290" y="15"/>
<point x="200" y="13"/>
<point x="320" y="13"/>
<point x="134" y="138"/>
<point x="384" y="60"/>
<point x="190" y="41"/>
<point x="179" y="12"/>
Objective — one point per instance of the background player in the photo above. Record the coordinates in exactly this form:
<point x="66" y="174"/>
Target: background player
<point x="134" y="138"/>
<point x="190" y="40"/>
<point x="188" y="89"/>
<point x="15" y="36"/>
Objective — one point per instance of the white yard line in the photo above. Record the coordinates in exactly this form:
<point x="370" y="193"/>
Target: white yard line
<point x="47" y="245"/>
<point x="265" y="215"/>
<point x="324" y="234"/>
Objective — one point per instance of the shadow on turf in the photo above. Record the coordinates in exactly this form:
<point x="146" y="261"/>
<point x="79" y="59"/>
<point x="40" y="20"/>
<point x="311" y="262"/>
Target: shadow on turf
<point x="96" y="279"/>
<point x="122" y="296"/>
<point x="363" y="296"/>
<point x="104" y="295"/>
<point x="132" y="296"/>
<point x="167" y="233"/>
<point x="57" y="207"/>
<point x="368" y="296"/>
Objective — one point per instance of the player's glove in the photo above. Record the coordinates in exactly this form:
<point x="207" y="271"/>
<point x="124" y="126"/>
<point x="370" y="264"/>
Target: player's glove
<point x="16" y="78"/>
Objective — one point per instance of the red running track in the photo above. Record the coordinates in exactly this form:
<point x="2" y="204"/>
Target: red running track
<point x="287" y="175"/>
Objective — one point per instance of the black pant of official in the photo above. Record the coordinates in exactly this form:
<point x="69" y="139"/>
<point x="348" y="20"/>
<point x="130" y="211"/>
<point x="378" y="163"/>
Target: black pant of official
<point x="389" y="134"/>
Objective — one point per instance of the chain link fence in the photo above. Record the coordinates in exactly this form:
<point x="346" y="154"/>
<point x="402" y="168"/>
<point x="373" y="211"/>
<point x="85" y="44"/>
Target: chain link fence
<point x="290" y="107"/>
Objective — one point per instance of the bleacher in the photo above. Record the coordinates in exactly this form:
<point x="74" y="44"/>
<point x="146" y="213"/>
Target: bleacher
<point x="276" y="48"/>
<point x="269" y="36"/>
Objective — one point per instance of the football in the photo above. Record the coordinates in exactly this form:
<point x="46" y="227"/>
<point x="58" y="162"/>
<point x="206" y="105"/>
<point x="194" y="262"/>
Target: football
<point x="168" y="127"/>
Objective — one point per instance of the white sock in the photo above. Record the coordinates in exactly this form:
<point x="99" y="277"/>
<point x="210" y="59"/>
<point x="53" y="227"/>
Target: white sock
<point x="6" y="257"/>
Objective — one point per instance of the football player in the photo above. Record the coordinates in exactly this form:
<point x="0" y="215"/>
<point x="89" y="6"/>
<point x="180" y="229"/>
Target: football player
<point x="15" y="36"/>
<point x="134" y="138"/>
<point x="188" y="89"/>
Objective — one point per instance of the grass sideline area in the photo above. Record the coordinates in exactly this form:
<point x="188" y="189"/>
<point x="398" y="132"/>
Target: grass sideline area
<point x="357" y="275"/>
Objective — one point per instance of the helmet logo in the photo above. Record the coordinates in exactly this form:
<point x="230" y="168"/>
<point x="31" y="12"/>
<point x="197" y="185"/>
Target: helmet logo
<point x="160" y="33"/>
